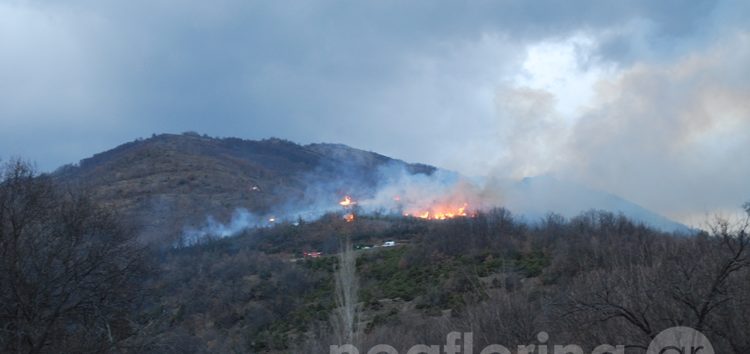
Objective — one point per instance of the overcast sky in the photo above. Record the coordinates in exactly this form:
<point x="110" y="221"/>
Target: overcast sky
<point x="647" y="99"/>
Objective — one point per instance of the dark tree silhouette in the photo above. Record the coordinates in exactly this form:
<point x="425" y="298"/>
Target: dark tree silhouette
<point x="69" y="272"/>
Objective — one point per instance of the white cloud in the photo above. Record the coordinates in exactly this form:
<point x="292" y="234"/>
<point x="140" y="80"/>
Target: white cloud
<point x="567" y="68"/>
<point x="670" y="136"/>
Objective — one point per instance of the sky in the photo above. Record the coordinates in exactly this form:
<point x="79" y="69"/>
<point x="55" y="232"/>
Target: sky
<point x="646" y="99"/>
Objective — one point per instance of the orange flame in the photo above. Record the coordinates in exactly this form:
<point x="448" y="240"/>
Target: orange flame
<point x="347" y="202"/>
<point x="349" y="217"/>
<point x="440" y="212"/>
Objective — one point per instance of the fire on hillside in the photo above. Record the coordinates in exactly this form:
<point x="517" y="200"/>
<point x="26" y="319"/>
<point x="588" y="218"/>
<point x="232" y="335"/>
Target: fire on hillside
<point x="440" y="212"/>
<point x="348" y="203"/>
<point x="434" y="211"/>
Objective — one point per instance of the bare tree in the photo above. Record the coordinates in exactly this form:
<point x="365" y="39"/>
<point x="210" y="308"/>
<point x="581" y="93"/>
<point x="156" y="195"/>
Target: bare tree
<point x="696" y="281"/>
<point x="345" y="316"/>
<point x="69" y="272"/>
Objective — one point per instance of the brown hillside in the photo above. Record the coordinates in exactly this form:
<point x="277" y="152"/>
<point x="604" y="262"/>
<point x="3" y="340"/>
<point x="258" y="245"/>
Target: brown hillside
<point x="168" y="182"/>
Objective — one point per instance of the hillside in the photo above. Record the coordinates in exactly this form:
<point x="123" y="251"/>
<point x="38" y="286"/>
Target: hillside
<point x="168" y="182"/>
<point x="490" y="274"/>
<point x="534" y="197"/>
<point x="278" y="289"/>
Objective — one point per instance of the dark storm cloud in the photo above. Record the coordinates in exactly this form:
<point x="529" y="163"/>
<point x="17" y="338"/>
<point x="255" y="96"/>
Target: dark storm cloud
<point x="106" y="71"/>
<point x="420" y="80"/>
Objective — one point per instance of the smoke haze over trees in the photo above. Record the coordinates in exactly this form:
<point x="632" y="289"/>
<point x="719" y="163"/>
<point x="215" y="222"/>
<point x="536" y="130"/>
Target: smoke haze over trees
<point x="75" y="279"/>
<point x="249" y="176"/>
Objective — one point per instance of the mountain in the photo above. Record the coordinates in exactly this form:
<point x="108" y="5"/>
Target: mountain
<point x="534" y="197"/>
<point x="171" y="183"/>
<point x="168" y="182"/>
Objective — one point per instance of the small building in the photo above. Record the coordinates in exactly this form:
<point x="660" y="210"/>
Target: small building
<point x="389" y="243"/>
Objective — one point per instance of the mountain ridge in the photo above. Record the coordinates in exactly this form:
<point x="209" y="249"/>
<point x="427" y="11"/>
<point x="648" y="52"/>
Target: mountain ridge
<point x="171" y="181"/>
<point x="168" y="183"/>
<point x="536" y="196"/>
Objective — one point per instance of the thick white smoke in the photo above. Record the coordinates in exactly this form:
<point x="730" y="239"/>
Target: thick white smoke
<point x="395" y="191"/>
<point x="241" y="220"/>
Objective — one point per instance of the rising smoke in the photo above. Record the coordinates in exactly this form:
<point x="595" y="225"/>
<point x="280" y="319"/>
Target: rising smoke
<point x="393" y="189"/>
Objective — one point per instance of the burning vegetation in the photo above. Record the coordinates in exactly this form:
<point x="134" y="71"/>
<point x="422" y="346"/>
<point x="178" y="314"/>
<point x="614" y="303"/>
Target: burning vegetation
<point x="348" y="203"/>
<point x="435" y="211"/>
<point x="440" y="212"/>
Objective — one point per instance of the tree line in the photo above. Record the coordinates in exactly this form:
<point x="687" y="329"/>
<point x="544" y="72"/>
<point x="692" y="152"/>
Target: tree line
<point x="74" y="278"/>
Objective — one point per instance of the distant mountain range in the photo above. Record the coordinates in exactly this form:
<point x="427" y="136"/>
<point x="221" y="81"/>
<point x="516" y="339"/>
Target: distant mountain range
<point x="168" y="182"/>
<point x="534" y="197"/>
